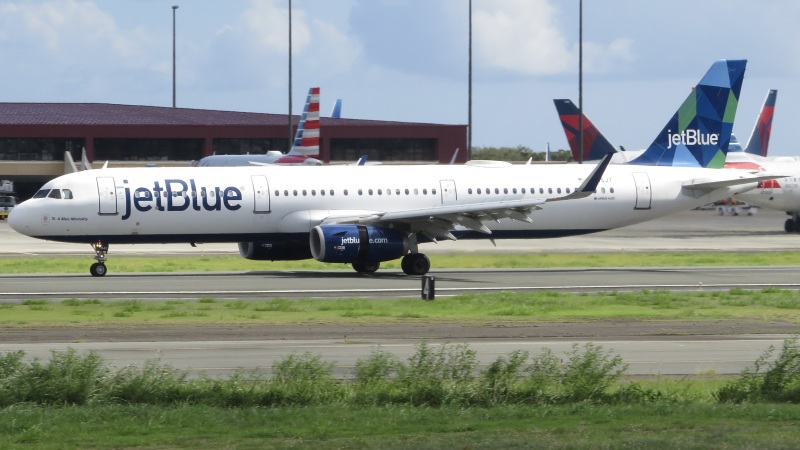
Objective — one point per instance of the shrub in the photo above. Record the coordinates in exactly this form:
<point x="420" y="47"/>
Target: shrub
<point x="775" y="380"/>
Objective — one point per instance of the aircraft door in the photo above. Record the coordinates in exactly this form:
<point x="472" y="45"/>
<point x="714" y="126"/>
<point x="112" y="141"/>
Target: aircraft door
<point x="107" y="193"/>
<point x="448" y="191"/>
<point x="261" y="194"/>
<point x="644" y="194"/>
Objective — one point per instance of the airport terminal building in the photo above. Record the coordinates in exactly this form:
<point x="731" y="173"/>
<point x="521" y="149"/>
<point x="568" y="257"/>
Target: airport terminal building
<point x="40" y="141"/>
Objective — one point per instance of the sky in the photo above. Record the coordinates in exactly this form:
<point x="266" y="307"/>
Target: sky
<point x="407" y="60"/>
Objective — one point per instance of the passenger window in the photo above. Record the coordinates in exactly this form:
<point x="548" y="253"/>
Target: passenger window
<point x="286" y="193"/>
<point x="380" y="192"/>
<point x="505" y="190"/>
<point x="497" y="190"/>
<point x="322" y="192"/>
<point x="549" y="190"/>
<point x="424" y="192"/>
<point x="611" y="190"/>
<point x="558" y="190"/>
<point x="397" y="191"/>
<point x="370" y="191"/>
<point x="469" y="191"/>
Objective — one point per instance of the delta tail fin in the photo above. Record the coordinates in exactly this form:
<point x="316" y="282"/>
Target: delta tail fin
<point x="700" y="131"/>
<point x="306" y="139"/>
<point x="595" y="145"/>
<point x="758" y="144"/>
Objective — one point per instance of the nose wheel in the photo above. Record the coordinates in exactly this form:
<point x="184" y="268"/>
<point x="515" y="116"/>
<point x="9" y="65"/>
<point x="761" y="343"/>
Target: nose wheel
<point x="98" y="269"/>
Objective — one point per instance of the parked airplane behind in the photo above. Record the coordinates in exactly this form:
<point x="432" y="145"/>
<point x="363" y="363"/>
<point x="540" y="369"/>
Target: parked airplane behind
<point x="364" y="215"/>
<point x="304" y="151"/>
<point x="778" y="194"/>
<point x="758" y="143"/>
<point x="595" y="144"/>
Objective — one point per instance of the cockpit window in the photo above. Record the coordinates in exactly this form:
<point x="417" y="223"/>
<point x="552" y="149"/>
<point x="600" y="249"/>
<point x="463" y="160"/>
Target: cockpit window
<point x="55" y="193"/>
<point x="66" y="193"/>
<point x="42" y="193"/>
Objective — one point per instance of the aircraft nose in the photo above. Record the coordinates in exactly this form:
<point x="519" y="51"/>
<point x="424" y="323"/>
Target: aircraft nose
<point x="19" y="219"/>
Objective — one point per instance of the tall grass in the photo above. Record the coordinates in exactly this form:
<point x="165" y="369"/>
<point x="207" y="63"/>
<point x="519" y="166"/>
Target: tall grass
<point x="440" y="376"/>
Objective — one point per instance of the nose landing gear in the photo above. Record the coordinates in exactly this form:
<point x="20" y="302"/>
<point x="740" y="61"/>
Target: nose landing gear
<point x="98" y="269"/>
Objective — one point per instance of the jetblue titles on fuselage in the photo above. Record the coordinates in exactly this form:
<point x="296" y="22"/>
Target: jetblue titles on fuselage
<point x="178" y="195"/>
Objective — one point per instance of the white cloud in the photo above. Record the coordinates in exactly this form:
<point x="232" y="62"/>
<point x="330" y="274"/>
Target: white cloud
<point x="267" y="24"/>
<point x="525" y="37"/>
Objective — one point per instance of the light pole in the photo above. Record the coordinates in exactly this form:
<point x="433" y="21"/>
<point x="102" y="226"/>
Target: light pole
<point x="469" y="89"/>
<point x="290" y="78"/>
<point x="174" y="8"/>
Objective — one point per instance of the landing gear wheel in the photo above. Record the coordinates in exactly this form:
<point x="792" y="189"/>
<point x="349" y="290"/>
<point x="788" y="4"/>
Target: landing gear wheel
<point x="415" y="264"/>
<point x="98" y="270"/>
<point x="366" y="267"/>
<point x="790" y="226"/>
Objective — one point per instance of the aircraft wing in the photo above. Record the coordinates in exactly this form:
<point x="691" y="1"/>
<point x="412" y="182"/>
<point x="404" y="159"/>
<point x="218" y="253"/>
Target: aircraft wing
<point x="440" y="221"/>
<point x="710" y="185"/>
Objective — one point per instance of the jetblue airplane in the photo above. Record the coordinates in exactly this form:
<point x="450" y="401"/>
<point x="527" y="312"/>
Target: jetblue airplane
<point x="304" y="151"/>
<point x="364" y="215"/>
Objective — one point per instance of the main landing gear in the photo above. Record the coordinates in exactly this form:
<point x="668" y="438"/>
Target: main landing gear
<point x="98" y="269"/>
<point x="415" y="264"/>
<point x="412" y="264"/>
<point x="792" y="224"/>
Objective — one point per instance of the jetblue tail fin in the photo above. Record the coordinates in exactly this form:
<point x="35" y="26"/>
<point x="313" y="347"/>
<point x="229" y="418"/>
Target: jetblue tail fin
<point x="758" y="144"/>
<point x="700" y="131"/>
<point x="306" y="140"/>
<point x="595" y="145"/>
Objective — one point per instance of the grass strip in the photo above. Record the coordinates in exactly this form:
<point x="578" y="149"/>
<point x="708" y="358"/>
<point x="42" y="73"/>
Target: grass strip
<point x="582" y="426"/>
<point x="770" y="304"/>
<point x="225" y="263"/>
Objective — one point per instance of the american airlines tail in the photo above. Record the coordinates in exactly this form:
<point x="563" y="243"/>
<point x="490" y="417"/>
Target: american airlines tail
<point x="758" y="144"/>
<point x="306" y="140"/>
<point x="700" y="131"/>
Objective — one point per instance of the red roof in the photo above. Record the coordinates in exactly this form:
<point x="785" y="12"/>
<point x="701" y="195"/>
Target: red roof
<point x="113" y="114"/>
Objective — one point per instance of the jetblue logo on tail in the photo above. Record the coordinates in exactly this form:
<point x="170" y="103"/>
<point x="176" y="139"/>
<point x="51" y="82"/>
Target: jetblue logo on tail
<point x="691" y="137"/>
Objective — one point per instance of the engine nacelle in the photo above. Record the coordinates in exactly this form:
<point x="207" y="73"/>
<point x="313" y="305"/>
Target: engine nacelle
<point x="351" y="243"/>
<point x="288" y="250"/>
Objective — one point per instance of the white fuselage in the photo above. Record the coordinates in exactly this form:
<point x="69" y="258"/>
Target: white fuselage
<point x="154" y="205"/>
<point x="782" y="194"/>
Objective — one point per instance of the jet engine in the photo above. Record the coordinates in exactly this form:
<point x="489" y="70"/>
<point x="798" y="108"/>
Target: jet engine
<point x="357" y="243"/>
